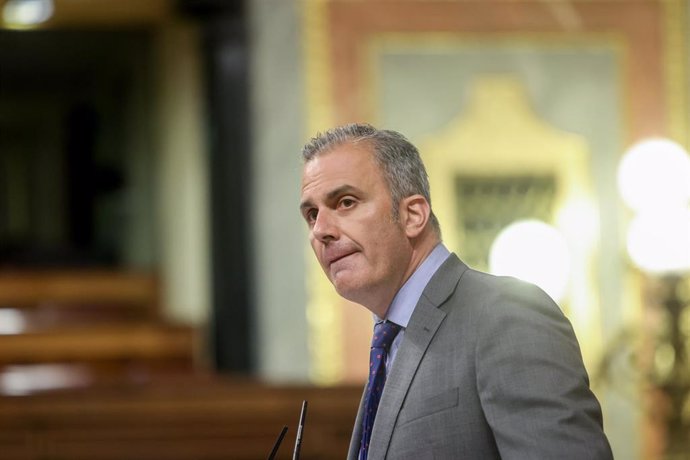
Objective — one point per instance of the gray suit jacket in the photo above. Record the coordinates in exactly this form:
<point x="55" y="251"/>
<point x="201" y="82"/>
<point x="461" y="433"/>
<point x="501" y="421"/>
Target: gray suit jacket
<point x="489" y="368"/>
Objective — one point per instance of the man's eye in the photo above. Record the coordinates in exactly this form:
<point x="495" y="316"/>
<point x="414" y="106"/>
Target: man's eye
<point x="310" y="215"/>
<point x="347" y="203"/>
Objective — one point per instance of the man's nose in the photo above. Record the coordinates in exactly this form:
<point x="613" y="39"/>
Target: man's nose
<point x="325" y="228"/>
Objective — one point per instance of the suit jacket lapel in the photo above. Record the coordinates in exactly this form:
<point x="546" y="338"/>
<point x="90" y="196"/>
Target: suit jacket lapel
<point x="356" y="438"/>
<point x="424" y="323"/>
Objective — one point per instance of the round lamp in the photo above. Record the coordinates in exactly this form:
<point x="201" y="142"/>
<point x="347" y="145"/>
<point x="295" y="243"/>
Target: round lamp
<point x="533" y="251"/>
<point x="659" y="240"/>
<point x="654" y="171"/>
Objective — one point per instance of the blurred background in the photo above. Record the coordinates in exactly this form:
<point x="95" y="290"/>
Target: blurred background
<point x="158" y="298"/>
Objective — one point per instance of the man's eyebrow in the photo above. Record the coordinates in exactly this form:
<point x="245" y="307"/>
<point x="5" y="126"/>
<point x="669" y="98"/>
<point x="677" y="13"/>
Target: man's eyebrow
<point x="342" y="190"/>
<point x="304" y="205"/>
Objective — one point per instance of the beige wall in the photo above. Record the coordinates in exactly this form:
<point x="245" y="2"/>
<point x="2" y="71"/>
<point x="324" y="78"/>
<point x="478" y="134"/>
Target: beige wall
<point x="182" y="182"/>
<point x="279" y="236"/>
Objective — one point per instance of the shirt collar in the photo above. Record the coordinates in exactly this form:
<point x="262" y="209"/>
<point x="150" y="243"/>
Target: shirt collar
<point x="404" y="302"/>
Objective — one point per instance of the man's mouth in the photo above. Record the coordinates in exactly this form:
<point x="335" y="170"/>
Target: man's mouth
<point x="339" y="256"/>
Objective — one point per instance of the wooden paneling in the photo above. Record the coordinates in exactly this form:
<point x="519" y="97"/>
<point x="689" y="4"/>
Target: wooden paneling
<point x="190" y="418"/>
<point x="118" y="342"/>
<point x="68" y="288"/>
<point x="106" y="13"/>
<point x="86" y="327"/>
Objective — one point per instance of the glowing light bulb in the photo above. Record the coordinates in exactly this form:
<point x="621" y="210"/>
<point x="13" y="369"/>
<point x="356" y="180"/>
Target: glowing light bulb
<point x="27" y="13"/>
<point x="535" y="252"/>
<point x="659" y="240"/>
<point x="654" y="171"/>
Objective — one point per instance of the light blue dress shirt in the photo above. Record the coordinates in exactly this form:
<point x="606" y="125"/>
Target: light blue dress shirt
<point x="407" y="297"/>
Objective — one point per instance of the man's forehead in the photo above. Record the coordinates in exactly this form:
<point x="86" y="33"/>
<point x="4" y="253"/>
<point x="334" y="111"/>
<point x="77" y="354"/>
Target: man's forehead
<point x="339" y="165"/>
<point x="346" y="167"/>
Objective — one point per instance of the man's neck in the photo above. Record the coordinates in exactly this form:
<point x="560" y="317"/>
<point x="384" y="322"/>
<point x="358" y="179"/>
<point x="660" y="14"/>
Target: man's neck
<point x="421" y="248"/>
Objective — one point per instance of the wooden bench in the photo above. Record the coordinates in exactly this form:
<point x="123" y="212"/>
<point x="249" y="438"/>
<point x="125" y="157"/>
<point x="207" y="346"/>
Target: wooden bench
<point x="188" y="418"/>
<point x="69" y="290"/>
<point x="118" y="342"/>
<point x="99" y="322"/>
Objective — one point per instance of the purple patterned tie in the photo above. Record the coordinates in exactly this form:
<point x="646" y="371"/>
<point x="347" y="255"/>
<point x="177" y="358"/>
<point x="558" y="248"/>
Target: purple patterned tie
<point x="384" y="333"/>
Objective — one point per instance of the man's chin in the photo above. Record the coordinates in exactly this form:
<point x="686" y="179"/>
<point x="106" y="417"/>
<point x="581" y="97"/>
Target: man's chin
<point x="345" y="288"/>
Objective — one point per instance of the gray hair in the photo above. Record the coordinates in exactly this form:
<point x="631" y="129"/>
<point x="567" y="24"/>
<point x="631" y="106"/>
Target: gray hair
<point x="397" y="157"/>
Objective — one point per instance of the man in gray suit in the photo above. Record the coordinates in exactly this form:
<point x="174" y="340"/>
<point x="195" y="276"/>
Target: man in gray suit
<point x="480" y="367"/>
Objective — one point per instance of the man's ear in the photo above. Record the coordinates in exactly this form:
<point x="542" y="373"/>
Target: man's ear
<point x="414" y="214"/>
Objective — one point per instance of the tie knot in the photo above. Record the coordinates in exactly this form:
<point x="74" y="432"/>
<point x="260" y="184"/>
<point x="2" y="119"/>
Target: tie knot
<point x="384" y="334"/>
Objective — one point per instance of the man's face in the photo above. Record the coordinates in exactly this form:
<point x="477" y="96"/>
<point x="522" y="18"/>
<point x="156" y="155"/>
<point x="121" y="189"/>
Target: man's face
<point x="348" y="208"/>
